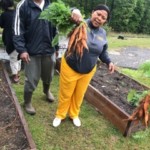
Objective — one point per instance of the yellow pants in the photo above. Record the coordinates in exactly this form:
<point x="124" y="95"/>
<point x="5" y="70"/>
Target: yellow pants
<point x="72" y="88"/>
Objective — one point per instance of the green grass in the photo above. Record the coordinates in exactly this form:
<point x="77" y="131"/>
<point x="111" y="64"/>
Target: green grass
<point x="137" y="75"/>
<point x="96" y="133"/>
<point x="116" y="44"/>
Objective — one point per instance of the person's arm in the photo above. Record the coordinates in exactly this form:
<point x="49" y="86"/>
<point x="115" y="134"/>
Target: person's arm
<point x="19" y="31"/>
<point x="104" y="55"/>
<point x="105" y="59"/>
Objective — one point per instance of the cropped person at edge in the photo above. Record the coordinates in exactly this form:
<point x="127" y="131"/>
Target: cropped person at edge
<point x="76" y="74"/>
<point x="33" y="41"/>
<point x="6" y="22"/>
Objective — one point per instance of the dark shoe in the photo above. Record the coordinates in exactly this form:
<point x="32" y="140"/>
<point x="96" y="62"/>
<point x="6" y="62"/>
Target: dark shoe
<point x="29" y="109"/>
<point x="49" y="96"/>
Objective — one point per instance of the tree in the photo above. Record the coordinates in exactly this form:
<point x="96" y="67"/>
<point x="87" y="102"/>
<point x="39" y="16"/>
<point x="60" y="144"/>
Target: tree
<point x="137" y="16"/>
<point x="122" y="11"/>
<point x="144" y="26"/>
<point x="126" y="15"/>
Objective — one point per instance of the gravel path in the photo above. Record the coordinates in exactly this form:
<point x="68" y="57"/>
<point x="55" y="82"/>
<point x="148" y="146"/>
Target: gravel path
<point x="130" y="57"/>
<point x="3" y="55"/>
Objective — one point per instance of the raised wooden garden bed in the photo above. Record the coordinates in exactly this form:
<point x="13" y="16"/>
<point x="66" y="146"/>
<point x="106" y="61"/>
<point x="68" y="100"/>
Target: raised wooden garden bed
<point x="108" y="94"/>
<point x="14" y="132"/>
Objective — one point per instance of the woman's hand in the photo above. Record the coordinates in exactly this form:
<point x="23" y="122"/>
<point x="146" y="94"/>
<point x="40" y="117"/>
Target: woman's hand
<point x="111" y="67"/>
<point x="76" y="16"/>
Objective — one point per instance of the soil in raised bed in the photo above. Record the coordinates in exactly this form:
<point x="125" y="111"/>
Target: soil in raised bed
<point x="116" y="87"/>
<point x="12" y="135"/>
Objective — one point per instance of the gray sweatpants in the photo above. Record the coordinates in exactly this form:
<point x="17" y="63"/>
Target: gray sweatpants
<point x="39" y="67"/>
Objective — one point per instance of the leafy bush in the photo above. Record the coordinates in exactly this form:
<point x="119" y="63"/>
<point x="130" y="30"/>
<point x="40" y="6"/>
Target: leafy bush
<point x="145" y="67"/>
<point x="60" y="16"/>
<point x="134" y="97"/>
<point x="107" y="28"/>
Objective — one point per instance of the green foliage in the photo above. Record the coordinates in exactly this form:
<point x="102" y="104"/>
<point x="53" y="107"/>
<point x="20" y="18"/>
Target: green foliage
<point x="142" y="73"/>
<point x="126" y="15"/>
<point x="60" y="16"/>
<point x="107" y="28"/>
<point x="145" y="21"/>
<point x="122" y="12"/>
<point x="134" y="97"/>
<point x="145" y="68"/>
<point x="137" y="16"/>
<point x="137" y="75"/>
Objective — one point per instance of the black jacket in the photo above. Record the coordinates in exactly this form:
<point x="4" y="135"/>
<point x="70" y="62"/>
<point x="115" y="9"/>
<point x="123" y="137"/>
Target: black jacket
<point x="32" y="34"/>
<point x="6" y="22"/>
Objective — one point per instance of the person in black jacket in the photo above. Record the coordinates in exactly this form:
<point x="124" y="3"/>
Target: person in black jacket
<point x="6" y="21"/>
<point x="33" y="40"/>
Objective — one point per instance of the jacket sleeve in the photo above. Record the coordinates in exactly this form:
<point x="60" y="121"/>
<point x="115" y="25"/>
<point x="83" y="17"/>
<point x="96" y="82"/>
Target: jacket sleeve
<point x="19" y="30"/>
<point x="104" y="55"/>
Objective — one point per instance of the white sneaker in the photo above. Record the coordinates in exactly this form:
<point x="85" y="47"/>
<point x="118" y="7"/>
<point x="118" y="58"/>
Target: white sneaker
<point x="77" y="122"/>
<point x="56" y="122"/>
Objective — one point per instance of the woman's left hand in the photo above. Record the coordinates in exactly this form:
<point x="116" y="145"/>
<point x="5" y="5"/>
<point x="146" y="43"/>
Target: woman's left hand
<point x="111" y="67"/>
<point x="76" y="16"/>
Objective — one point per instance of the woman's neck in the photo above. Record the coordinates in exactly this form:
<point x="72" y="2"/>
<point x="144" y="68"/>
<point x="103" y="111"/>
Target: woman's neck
<point x="91" y="25"/>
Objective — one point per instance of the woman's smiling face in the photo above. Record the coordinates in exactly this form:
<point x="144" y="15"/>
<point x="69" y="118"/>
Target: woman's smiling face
<point x="99" y="17"/>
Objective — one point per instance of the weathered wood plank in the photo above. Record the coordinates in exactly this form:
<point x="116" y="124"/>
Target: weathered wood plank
<point x="20" y="113"/>
<point x="112" y="112"/>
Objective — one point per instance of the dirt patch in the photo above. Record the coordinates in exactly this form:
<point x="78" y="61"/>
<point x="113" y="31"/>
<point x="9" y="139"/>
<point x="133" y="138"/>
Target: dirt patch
<point x="116" y="87"/>
<point x="12" y="135"/>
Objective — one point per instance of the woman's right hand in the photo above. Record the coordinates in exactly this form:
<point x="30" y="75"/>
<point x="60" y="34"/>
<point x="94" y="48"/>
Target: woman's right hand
<point x="25" y="57"/>
<point x="76" y="16"/>
<point x="111" y="67"/>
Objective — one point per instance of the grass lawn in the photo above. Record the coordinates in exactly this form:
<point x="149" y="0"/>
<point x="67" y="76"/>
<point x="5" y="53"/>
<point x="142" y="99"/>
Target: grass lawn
<point x="96" y="133"/>
<point x="130" y="40"/>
